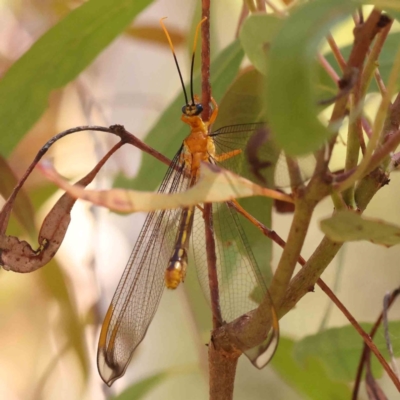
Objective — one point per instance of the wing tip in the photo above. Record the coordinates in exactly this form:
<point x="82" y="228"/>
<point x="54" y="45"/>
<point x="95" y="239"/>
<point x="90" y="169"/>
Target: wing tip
<point x="108" y="373"/>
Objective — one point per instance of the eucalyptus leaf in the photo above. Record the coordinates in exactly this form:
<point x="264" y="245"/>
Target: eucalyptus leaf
<point x="55" y="59"/>
<point x="338" y="350"/>
<point x="347" y="226"/>
<point x="139" y="389"/>
<point x="309" y="378"/>
<point x="255" y="36"/>
<point x="291" y="72"/>
<point x="258" y="31"/>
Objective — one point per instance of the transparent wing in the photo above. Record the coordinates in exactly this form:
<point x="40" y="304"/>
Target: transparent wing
<point x="240" y="284"/>
<point x="260" y="155"/>
<point x="239" y="280"/>
<point x="139" y="290"/>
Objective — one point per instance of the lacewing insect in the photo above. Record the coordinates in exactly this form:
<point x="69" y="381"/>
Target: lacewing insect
<point x="160" y="256"/>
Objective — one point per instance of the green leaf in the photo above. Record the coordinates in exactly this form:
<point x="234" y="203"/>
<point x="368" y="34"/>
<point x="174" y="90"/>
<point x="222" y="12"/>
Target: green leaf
<point x="392" y="7"/>
<point x="139" y="389"/>
<point x="292" y="66"/>
<point x="56" y="59"/>
<point x="309" y="379"/>
<point x="55" y="282"/>
<point x="258" y="31"/>
<point x="169" y="132"/>
<point x="338" y="350"/>
<point x="255" y="36"/>
<point x="347" y="226"/>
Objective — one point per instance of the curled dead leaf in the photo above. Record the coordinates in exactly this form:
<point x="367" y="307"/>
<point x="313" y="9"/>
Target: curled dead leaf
<point x="17" y="255"/>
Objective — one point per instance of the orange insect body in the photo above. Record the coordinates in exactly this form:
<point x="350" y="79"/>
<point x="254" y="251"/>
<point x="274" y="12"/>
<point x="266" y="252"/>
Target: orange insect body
<point x="176" y="271"/>
<point x="197" y="147"/>
<point x="164" y="232"/>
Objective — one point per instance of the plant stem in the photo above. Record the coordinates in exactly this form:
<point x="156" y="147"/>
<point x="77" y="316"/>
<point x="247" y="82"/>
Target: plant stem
<point x="298" y="230"/>
<point x="212" y="266"/>
<point x="205" y="61"/>
<point x="222" y="364"/>
<point x="222" y="368"/>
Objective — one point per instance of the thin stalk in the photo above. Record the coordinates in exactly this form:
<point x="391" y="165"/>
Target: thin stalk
<point x="251" y="6"/>
<point x="222" y="364"/>
<point x="336" y="52"/>
<point x="366" y="349"/>
<point x="212" y="266"/>
<point x="377" y="129"/>
<point x="372" y="59"/>
<point x="354" y="140"/>
<point x="205" y="61"/>
<point x="298" y="230"/>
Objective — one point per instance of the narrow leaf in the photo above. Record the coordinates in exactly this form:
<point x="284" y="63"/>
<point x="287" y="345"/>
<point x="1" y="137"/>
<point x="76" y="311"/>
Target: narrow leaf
<point x="214" y="185"/>
<point x="290" y="92"/>
<point x="56" y="59"/>
<point x="310" y="378"/>
<point x="139" y="389"/>
<point x="338" y="350"/>
<point x="347" y="226"/>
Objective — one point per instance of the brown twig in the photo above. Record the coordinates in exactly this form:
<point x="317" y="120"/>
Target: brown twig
<point x="205" y="61"/>
<point x="366" y="349"/>
<point x="336" y="52"/>
<point x="222" y="364"/>
<point x="212" y="266"/>
<point x="243" y="14"/>
<point x="222" y="369"/>
<point x="260" y="4"/>
<point x="371" y="65"/>
<point x="328" y="68"/>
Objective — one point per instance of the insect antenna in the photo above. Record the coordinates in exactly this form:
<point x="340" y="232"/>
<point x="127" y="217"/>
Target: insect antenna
<point x="176" y="61"/>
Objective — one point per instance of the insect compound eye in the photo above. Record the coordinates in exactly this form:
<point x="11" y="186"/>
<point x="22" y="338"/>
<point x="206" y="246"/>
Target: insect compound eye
<point x="192" y="109"/>
<point x="199" y="109"/>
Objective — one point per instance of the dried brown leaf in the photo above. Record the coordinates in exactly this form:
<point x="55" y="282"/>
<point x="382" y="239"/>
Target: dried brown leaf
<point x="18" y="256"/>
<point x="215" y="185"/>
